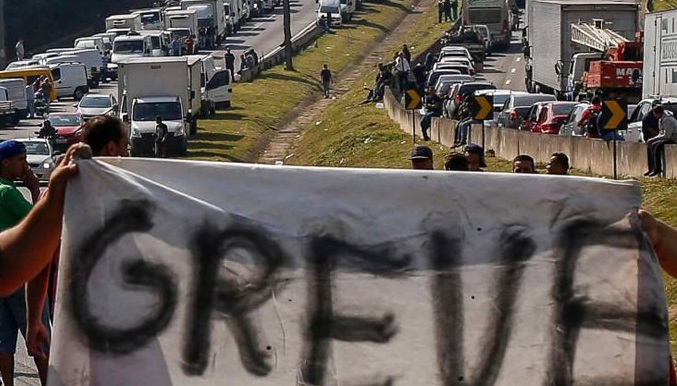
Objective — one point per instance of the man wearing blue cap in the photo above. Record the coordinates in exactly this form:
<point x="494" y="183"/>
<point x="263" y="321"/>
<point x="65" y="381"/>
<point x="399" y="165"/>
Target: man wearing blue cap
<point x="13" y="208"/>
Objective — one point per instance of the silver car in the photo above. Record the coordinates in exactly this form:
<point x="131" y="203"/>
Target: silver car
<point x="571" y="127"/>
<point x="40" y="156"/>
<point x="92" y="105"/>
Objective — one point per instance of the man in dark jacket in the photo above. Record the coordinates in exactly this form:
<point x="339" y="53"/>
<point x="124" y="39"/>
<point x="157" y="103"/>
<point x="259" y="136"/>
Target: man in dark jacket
<point x="161" y="138"/>
<point x="230" y="63"/>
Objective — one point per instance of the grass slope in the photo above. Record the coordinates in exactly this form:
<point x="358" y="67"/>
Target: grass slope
<point x="352" y="135"/>
<point x="261" y="105"/>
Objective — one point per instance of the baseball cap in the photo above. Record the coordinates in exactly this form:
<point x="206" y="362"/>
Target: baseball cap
<point x="421" y="152"/>
<point x="11" y="148"/>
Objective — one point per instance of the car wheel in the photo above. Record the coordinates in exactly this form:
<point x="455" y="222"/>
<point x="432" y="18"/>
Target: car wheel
<point x="78" y="93"/>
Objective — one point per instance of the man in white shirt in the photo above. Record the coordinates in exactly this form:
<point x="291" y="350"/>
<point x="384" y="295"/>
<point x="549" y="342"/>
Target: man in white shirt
<point x="402" y="68"/>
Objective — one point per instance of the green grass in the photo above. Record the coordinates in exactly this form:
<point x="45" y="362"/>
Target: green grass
<point x="261" y="105"/>
<point x="663" y="5"/>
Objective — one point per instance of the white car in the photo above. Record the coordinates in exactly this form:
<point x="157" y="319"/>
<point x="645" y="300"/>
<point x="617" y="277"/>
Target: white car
<point x="40" y="156"/>
<point x="92" y="105"/>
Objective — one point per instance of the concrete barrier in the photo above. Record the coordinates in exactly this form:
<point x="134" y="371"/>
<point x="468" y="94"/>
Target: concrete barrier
<point x="276" y="57"/>
<point x="589" y="155"/>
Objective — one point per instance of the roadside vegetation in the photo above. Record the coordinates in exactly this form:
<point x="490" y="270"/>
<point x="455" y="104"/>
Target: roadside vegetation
<point x="263" y="104"/>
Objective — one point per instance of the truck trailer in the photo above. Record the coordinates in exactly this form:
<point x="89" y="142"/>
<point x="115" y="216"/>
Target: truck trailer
<point x="549" y="48"/>
<point x="660" y="54"/>
<point x="168" y="87"/>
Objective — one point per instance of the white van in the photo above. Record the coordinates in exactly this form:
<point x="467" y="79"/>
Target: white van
<point x="93" y="60"/>
<point x="333" y="7"/>
<point x="22" y="63"/>
<point x="89" y="43"/>
<point x="151" y="19"/>
<point x="16" y="90"/>
<point x="348" y="7"/>
<point x="70" y="80"/>
<point x="41" y="57"/>
<point x="159" y="42"/>
<point x="107" y="39"/>
<point x="131" y="46"/>
<point x="216" y="84"/>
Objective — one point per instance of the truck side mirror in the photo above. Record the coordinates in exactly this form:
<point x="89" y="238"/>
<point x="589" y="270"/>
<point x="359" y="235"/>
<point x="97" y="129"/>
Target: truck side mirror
<point x="526" y="51"/>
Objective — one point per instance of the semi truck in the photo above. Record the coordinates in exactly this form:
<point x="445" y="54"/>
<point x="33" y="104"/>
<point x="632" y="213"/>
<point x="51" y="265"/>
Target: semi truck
<point x="660" y="54"/>
<point x="549" y="48"/>
<point x="209" y="13"/>
<point x="495" y="14"/>
<point x="168" y="87"/>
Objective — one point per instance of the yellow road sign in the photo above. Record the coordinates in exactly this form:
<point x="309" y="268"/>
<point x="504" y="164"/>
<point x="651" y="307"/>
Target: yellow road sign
<point x="483" y="108"/>
<point x="412" y="99"/>
<point x="614" y="115"/>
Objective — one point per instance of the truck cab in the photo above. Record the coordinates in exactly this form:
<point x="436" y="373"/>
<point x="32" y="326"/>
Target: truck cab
<point x="90" y="42"/>
<point x="348" y="8"/>
<point x="131" y="46"/>
<point x="182" y="19"/>
<point x="151" y="19"/>
<point x="580" y="63"/>
<point x="70" y="80"/>
<point x="159" y="40"/>
<point x="141" y="118"/>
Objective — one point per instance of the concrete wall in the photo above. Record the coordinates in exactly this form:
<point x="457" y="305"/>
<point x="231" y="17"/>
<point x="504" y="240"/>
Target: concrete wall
<point x="589" y="155"/>
<point x="302" y="40"/>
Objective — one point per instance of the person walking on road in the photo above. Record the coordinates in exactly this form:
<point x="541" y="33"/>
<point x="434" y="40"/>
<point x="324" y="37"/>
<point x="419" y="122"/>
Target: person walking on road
<point x="327" y="79"/>
<point x="13" y="208"/>
<point x="161" y="138"/>
<point x="19" y="48"/>
<point x="230" y="63"/>
<point x="30" y="100"/>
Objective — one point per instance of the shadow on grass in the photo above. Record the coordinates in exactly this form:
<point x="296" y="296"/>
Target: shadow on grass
<point x="364" y="23"/>
<point x="209" y="154"/>
<point x="224" y="115"/>
<point x="402" y="7"/>
<point x="293" y="78"/>
<point x="213" y="139"/>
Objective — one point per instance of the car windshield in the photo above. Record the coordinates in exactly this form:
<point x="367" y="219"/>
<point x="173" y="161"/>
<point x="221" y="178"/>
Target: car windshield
<point x="128" y="47"/>
<point x="528" y="100"/>
<point x="64" y="120"/>
<point x="328" y="9"/>
<point x="36" y="148"/>
<point x="169" y="111"/>
<point x="471" y="88"/>
<point x="95" y="102"/>
<point x="562" y="109"/>
<point x="150" y="18"/>
<point x="86" y="44"/>
<point x="499" y="99"/>
<point x="523" y="111"/>
<point x="482" y="32"/>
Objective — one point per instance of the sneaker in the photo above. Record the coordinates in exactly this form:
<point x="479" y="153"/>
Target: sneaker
<point x="646" y="174"/>
<point x="654" y="174"/>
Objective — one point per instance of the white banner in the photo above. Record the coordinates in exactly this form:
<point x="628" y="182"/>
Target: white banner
<point x="190" y="273"/>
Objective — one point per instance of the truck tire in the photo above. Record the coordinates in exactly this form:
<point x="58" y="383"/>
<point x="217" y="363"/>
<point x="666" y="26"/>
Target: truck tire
<point x="94" y="82"/>
<point x="212" y="111"/>
<point x="79" y="93"/>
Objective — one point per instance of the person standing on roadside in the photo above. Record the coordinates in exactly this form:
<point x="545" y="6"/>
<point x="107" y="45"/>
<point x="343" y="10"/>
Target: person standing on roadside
<point x="19" y="48"/>
<point x="30" y="100"/>
<point x="402" y="67"/>
<point x="176" y="46"/>
<point x="406" y="52"/>
<point x="327" y="79"/>
<point x="230" y="63"/>
<point x="419" y="74"/>
<point x="454" y="9"/>
<point x="46" y="89"/>
<point x="161" y="138"/>
<point x="440" y="11"/>
<point x="13" y="209"/>
<point x="190" y="44"/>
<point x="202" y="38"/>
<point x="447" y="10"/>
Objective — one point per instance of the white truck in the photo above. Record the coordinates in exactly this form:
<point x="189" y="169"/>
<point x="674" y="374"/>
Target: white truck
<point x="70" y="80"/>
<point x="131" y="46"/>
<point x="495" y="14"/>
<point x="184" y="18"/>
<point x="91" y="58"/>
<point x="216" y="84"/>
<point x="168" y="87"/>
<point x="549" y="49"/>
<point x="209" y="13"/>
<point x="131" y="22"/>
<point x="151" y="18"/>
<point x="660" y="54"/>
<point x="16" y="92"/>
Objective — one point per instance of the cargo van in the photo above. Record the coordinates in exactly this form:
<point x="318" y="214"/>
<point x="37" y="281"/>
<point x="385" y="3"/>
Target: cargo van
<point x="30" y="75"/>
<point x="70" y="80"/>
<point x="23" y="63"/>
<point x="90" y="42"/>
<point x="131" y="46"/>
<point x="93" y="60"/>
<point x="16" y="92"/>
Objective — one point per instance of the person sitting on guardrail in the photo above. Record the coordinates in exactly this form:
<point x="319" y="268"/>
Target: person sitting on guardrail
<point x="465" y="121"/>
<point x="433" y="108"/>
<point x="667" y="124"/>
<point x="523" y="164"/>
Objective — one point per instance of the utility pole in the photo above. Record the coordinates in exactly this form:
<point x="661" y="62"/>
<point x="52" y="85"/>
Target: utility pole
<point x="3" y="36"/>
<point x="288" y="49"/>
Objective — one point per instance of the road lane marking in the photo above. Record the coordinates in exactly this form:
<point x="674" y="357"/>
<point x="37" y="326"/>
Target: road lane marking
<point x="507" y="81"/>
<point x="518" y="59"/>
<point x="512" y="70"/>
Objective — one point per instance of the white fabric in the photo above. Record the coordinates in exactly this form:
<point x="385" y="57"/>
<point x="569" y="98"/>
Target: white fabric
<point x="385" y="226"/>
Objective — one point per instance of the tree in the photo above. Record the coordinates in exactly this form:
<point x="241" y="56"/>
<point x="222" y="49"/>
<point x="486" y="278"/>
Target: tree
<point x="288" y="49"/>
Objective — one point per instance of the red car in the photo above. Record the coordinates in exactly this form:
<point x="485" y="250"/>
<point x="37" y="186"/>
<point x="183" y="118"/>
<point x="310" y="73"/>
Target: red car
<point x="532" y="116"/>
<point x="552" y="116"/>
<point x="68" y="127"/>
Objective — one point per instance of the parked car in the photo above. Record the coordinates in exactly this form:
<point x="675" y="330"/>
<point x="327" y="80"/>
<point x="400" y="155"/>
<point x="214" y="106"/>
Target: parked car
<point x="40" y="156"/>
<point x="508" y="116"/>
<point x="553" y="116"/>
<point x="570" y="126"/>
<point x="634" y="133"/>
<point x="431" y="80"/>
<point x="68" y="127"/>
<point x="446" y="82"/>
<point x="484" y="32"/>
<point x="532" y="116"/>
<point x="447" y="51"/>
<point x="92" y="105"/>
<point x="463" y="69"/>
<point x="459" y="91"/>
